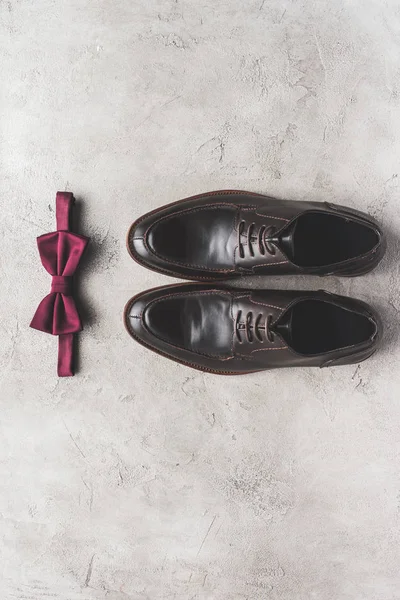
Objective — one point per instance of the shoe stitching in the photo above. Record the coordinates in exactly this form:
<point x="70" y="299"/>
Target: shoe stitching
<point x="249" y="297"/>
<point x="269" y="349"/>
<point x="282" y="262"/>
<point x="263" y="303"/>
<point x="271" y="217"/>
<point x="266" y="216"/>
<point x="261" y="350"/>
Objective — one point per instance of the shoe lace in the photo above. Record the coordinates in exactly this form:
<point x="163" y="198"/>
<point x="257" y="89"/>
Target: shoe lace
<point x="253" y="327"/>
<point x="264" y="245"/>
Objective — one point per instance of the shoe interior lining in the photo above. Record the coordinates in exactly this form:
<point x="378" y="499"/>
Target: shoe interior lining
<point x="321" y="239"/>
<point x="318" y="326"/>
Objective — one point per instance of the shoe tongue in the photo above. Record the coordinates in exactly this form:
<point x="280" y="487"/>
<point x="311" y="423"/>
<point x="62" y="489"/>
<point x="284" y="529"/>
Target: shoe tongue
<point x="286" y="240"/>
<point x="284" y="326"/>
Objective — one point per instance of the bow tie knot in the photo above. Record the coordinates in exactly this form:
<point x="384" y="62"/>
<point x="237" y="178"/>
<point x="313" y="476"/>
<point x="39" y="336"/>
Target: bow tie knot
<point x="61" y="284"/>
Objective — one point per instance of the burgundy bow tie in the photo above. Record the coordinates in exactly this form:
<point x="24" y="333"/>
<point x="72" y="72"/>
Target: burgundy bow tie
<point x="60" y="253"/>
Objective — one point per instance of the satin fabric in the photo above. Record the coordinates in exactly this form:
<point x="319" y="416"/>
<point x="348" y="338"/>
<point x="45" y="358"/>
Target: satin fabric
<point x="60" y="253"/>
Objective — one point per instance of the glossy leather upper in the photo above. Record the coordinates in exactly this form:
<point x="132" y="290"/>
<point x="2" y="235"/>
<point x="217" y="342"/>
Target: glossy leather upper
<point x="229" y="233"/>
<point x="233" y="331"/>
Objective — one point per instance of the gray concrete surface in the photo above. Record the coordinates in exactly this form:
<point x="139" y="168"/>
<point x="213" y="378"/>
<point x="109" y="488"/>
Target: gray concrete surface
<point x="139" y="478"/>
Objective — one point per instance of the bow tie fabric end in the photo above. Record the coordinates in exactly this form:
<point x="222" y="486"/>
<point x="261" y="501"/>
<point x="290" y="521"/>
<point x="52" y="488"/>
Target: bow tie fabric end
<point x="60" y="252"/>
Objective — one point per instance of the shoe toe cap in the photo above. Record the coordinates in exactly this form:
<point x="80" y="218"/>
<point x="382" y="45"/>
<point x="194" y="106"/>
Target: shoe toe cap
<point x="154" y="242"/>
<point x="133" y="316"/>
<point x="136" y="241"/>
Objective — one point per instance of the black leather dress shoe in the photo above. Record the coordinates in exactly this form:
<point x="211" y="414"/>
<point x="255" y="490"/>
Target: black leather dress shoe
<point x="232" y="331"/>
<point x="229" y="233"/>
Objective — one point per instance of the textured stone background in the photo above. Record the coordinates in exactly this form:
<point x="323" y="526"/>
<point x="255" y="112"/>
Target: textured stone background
<point x="140" y="478"/>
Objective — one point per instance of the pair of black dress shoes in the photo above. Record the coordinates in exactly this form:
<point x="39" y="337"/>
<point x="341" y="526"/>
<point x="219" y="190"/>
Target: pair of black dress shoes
<point x="225" y="234"/>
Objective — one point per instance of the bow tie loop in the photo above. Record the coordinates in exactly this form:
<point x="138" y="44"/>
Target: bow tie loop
<point x="61" y="284"/>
